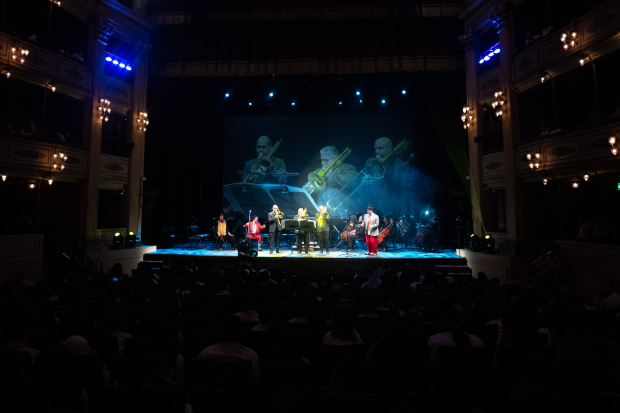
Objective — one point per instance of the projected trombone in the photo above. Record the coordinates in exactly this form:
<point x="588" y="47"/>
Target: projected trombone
<point x="264" y="163"/>
<point x="373" y="168"/>
<point x="316" y="180"/>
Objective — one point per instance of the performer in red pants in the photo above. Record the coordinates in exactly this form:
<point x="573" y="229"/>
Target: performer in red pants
<point x="254" y="227"/>
<point x="371" y="224"/>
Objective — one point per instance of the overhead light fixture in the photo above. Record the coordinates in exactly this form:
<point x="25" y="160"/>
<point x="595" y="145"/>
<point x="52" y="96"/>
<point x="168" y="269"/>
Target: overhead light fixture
<point x="249" y="103"/>
<point x="404" y="92"/>
<point x="357" y="93"/>
<point x="271" y="94"/>
<point x="3" y="177"/>
<point x="340" y="103"/>
<point x="575" y="185"/>
<point x="51" y="86"/>
<point x="360" y="100"/>
<point x="6" y="71"/>
<point x="50" y="181"/>
<point x="492" y="51"/>
<point x="117" y="241"/>
<point x="498" y="103"/>
<point x="612" y="141"/>
<point x="116" y="60"/>
<point x="143" y="121"/>
<point x="586" y="177"/>
<point x="226" y="95"/>
<point x="19" y="54"/>
<point x="545" y="181"/>
<point x="56" y="2"/>
<point x="383" y="101"/>
<point x="32" y="186"/>
<point x="130" y="240"/>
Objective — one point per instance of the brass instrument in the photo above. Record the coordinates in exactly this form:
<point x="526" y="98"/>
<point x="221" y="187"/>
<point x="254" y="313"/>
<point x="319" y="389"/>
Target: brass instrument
<point x="316" y="180"/>
<point x="279" y="215"/>
<point x="264" y="162"/>
<point x="374" y="168"/>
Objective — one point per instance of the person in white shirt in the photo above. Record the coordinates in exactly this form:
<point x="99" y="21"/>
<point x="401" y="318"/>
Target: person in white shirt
<point x="342" y="328"/>
<point x="452" y="335"/>
<point x="231" y="331"/>
<point x="248" y="314"/>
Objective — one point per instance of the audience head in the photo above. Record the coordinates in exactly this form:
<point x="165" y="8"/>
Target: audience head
<point x="231" y="329"/>
<point x="343" y="323"/>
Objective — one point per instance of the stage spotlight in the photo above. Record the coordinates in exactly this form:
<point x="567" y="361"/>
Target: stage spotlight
<point x="130" y="241"/>
<point x="108" y="58"/>
<point x="481" y="61"/>
<point x="426" y="213"/>
<point x="122" y="65"/>
<point x="128" y="68"/>
<point x="488" y="245"/>
<point x="271" y="95"/>
<point x="293" y="104"/>
<point x="340" y="103"/>
<point x="404" y="92"/>
<point x="474" y="243"/>
<point x="115" y="61"/>
<point x="357" y="93"/>
<point x="250" y="103"/>
<point x="226" y="95"/>
<point x="383" y="101"/>
<point x="117" y="241"/>
<point x="360" y="100"/>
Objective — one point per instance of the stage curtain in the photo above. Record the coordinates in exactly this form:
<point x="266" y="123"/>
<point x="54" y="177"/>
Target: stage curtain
<point x="313" y="47"/>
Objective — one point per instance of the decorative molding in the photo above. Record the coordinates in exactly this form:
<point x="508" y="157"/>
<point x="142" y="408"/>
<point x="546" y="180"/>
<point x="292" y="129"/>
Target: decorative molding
<point x="601" y="23"/>
<point x="561" y="151"/>
<point x="73" y="160"/>
<point x="115" y="90"/>
<point x="113" y="167"/>
<point x="29" y="154"/>
<point x="468" y="40"/>
<point x="36" y="59"/>
<point x="74" y="74"/>
<point x="488" y="85"/>
<point x="600" y="144"/>
<point x="524" y="64"/>
<point x="491" y="166"/>
<point x="142" y="50"/>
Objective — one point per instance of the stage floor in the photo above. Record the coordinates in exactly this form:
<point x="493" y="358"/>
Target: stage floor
<point x="264" y="254"/>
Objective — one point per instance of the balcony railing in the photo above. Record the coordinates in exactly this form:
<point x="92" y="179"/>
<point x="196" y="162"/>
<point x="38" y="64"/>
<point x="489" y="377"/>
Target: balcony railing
<point x="43" y="65"/>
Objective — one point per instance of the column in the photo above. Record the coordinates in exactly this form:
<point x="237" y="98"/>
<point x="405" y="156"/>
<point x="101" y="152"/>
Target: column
<point x="132" y="200"/>
<point x="99" y="33"/>
<point x="502" y="15"/>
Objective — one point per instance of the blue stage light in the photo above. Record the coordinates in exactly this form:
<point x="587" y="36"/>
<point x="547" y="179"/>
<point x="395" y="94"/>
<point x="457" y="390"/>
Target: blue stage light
<point x="340" y="103"/>
<point x="115" y="61"/>
<point x="122" y="65"/>
<point x="497" y="51"/>
<point x="492" y="51"/>
<point x="360" y="100"/>
<point x="404" y="92"/>
<point x="481" y="61"/>
<point x="491" y="54"/>
<point x="487" y="58"/>
<point x="108" y="58"/>
<point x="250" y="103"/>
<point x="357" y="93"/>
<point x="227" y="95"/>
<point x="426" y="212"/>
<point x="128" y="67"/>
<point x="383" y="101"/>
<point x="293" y="104"/>
<point x="271" y="94"/>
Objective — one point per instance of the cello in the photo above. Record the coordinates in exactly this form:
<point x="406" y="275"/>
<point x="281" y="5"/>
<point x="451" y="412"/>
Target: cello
<point x="347" y="230"/>
<point x="384" y="233"/>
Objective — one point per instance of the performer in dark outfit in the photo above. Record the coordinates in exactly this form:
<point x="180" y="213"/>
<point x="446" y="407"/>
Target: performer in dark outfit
<point x="264" y="175"/>
<point x="245" y="251"/>
<point x="322" y="229"/>
<point x="357" y="234"/>
<point x="301" y="234"/>
<point x="275" y="227"/>
<point x="433" y="229"/>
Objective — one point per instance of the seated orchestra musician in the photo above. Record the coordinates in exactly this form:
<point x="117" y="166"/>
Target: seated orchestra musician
<point x="356" y="234"/>
<point x="322" y="229"/>
<point x="223" y="235"/>
<point x="430" y="237"/>
<point x="301" y="235"/>
<point x="387" y="223"/>
<point x="254" y="228"/>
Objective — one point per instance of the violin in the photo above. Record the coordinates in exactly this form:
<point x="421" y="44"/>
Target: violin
<point x="349" y="228"/>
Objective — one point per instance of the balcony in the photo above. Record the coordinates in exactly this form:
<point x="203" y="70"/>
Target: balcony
<point x="568" y="154"/>
<point x="42" y="66"/>
<point x="493" y="170"/>
<point x="32" y="159"/>
<point x="597" y="35"/>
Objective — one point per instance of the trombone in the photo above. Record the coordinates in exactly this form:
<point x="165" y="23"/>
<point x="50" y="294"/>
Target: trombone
<point x="374" y="168"/>
<point x="316" y="180"/>
<point x="264" y="162"/>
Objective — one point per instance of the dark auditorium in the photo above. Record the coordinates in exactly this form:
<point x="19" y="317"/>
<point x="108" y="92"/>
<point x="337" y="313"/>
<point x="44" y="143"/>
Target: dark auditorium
<point x="315" y="206"/>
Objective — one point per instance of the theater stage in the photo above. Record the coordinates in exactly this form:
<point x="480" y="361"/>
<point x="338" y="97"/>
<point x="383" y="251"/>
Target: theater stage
<point x="335" y="259"/>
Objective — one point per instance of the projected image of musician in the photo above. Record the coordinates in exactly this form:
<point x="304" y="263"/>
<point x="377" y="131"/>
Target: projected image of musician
<point x="328" y="183"/>
<point x="385" y="178"/>
<point x="266" y="168"/>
